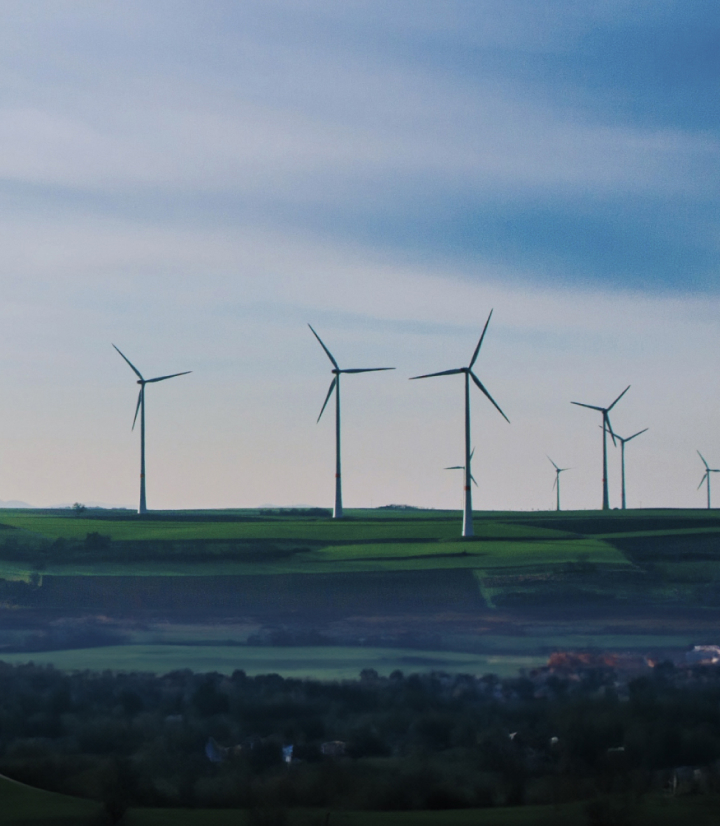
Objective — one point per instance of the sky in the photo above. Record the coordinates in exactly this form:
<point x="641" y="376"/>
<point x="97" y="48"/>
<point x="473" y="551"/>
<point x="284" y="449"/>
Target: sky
<point x="196" y="182"/>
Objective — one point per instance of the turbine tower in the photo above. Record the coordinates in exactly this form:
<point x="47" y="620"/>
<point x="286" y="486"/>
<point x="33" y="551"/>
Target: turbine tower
<point x="141" y="409"/>
<point x="606" y="426"/>
<point x="622" y="459"/>
<point x="556" y="484"/>
<point x="467" y="529"/>
<point x="335" y="385"/>
<point x="706" y="477"/>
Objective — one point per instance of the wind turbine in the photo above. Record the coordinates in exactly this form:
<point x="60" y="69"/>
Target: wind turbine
<point x="606" y="426"/>
<point x="335" y="385"/>
<point x="706" y="477"/>
<point x="462" y="467"/>
<point x="622" y="459"/>
<point x="467" y="529"/>
<point x="556" y="484"/>
<point x="141" y="409"/>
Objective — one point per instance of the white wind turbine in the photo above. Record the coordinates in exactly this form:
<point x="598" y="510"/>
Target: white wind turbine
<point x="556" y="485"/>
<point x="706" y="477"/>
<point x="467" y="529"/>
<point x="335" y="386"/>
<point x="140" y="407"/>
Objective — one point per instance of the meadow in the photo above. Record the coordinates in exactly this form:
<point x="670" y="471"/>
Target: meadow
<point x="58" y="545"/>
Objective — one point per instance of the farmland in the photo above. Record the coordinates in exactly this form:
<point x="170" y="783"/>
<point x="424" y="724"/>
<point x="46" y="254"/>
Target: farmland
<point x="526" y="584"/>
<point x="384" y="592"/>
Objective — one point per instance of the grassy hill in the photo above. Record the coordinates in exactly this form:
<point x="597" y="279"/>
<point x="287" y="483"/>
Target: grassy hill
<point x="525" y="584"/>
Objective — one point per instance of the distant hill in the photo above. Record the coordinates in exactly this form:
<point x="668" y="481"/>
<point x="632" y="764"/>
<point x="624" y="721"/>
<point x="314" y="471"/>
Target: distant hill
<point x="14" y="503"/>
<point x="103" y="505"/>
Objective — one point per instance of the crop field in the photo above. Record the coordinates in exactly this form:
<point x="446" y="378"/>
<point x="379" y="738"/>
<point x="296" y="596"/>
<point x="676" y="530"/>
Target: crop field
<point x="66" y="546"/>
<point x="515" y="558"/>
<point x="658" y="569"/>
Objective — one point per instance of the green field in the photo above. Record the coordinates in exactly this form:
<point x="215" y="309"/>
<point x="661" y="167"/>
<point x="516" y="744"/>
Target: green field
<point x="526" y="585"/>
<point x="22" y="805"/>
<point x="64" y="545"/>
<point x="370" y="568"/>
<point x="655" y="812"/>
<point x="322" y="662"/>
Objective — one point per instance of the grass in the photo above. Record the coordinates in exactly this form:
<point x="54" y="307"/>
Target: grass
<point x="655" y="811"/>
<point x="22" y="805"/>
<point x="274" y="545"/>
<point x="516" y="560"/>
<point x="477" y="553"/>
<point x="318" y="662"/>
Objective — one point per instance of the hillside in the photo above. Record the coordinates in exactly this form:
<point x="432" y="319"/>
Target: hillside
<point x="527" y="584"/>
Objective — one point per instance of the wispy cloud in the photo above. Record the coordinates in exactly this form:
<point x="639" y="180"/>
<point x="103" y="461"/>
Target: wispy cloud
<point x="196" y="182"/>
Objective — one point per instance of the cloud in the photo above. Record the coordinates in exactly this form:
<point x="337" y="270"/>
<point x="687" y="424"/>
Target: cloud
<point x="196" y="183"/>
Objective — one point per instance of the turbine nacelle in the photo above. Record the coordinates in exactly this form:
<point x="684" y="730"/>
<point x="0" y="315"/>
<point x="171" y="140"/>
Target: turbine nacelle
<point x="605" y="411"/>
<point x="337" y="371"/>
<point x="708" y="471"/>
<point x="469" y="372"/>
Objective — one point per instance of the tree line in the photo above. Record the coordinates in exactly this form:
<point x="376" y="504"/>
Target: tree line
<point x="431" y="741"/>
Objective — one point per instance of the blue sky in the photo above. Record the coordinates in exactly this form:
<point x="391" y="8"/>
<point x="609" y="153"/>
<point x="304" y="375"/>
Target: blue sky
<point x="195" y="182"/>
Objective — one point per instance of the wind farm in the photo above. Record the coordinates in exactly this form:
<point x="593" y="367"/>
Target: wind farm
<point x="301" y="615"/>
<point x="221" y="602"/>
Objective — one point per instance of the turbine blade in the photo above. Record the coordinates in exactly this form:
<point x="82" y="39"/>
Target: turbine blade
<point x="606" y="418"/>
<point x="473" y="479"/>
<point x="133" y="367"/>
<point x="137" y="408"/>
<point x="707" y="467"/>
<point x="327" y="398"/>
<point x="171" y="376"/>
<point x="707" y="473"/>
<point x="329" y="354"/>
<point x="480" y="385"/>
<point x="442" y="373"/>
<point x="367" y="370"/>
<point x="591" y="406"/>
<point x="618" y="398"/>
<point x="479" y="344"/>
<point x="472" y="453"/>
<point x="635" y="434"/>
<point x="456" y="467"/>
<point x="555" y="482"/>
<point x="552" y="463"/>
